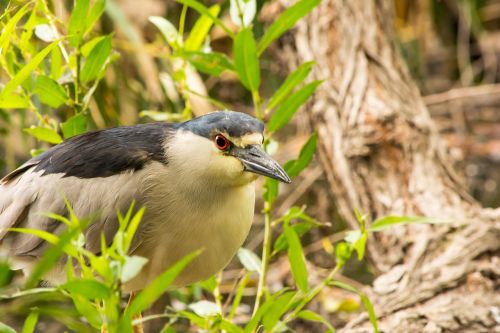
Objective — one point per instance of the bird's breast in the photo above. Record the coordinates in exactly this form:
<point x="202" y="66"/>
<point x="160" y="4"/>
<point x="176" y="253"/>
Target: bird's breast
<point x="216" y="221"/>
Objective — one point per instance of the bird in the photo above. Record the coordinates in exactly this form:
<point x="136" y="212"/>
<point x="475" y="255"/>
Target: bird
<point x="195" y="180"/>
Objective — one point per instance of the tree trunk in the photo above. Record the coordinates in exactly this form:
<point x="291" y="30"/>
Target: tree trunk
<point x="381" y="154"/>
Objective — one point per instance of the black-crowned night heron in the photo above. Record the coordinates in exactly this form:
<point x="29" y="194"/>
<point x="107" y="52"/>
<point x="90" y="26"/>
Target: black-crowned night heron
<point x="195" y="180"/>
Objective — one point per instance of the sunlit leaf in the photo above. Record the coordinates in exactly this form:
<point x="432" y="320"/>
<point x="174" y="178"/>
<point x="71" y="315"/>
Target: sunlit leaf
<point x="357" y="239"/>
<point x="13" y="101"/>
<point x="6" y="329"/>
<point x="250" y="260"/>
<point x="204" y="308"/>
<point x="76" y="25"/>
<point x="296" y="259"/>
<point x="203" y="10"/>
<point x="25" y="72"/>
<point x="291" y="82"/>
<point x="168" y="30"/>
<point x="200" y="30"/>
<point x="281" y="243"/>
<point x="94" y="14"/>
<point x="285" y="21"/>
<point x="388" y="221"/>
<point x="153" y="291"/>
<point x="10" y="26"/>
<point x="75" y="125"/>
<point x="213" y="63"/>
<point x="246" y="60"/>
<point x="242" y="12"/>
<point x="44" y="134"/>
<point x="30" y="322"/>
<point x="276" y="310"/>
<point x="45" y="33"/>
<point x="287" y="109"/>
<point x="90" y="289"/>
<point x="96" y="60"/>
<point x="132" y="267"/>
<point x="50" y="92"/>
<point x="313" y="316"/>
<point x="305" y="157"/>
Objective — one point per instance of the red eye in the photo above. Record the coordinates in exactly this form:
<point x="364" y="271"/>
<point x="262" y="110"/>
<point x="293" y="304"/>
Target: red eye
<point x="221" y="142"/>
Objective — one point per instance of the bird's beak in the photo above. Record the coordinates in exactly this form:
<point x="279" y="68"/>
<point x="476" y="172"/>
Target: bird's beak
<point x="256" y="160"/>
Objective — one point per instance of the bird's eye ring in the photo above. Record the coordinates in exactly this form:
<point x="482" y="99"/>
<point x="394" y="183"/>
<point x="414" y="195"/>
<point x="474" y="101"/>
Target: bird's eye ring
<point x="221" y="142"/>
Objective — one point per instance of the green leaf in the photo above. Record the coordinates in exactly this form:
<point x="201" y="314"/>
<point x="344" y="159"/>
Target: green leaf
<point x="305" y="157"/>
<point x="46" y="236"/>
<point x="25" y="72"/>
<point x="213" y="63"/>
<point x="77" y="22"/>
<point x="296" y="259"/>
<point x="50" y="92"/>
<point x="94" y="14"/>
<point x="6" y="329"/>
<point x="200" y="30"/>
<point x="246" y="60"/>
<point x="203" y="10"/>
<point x="357" y="239"/>
<point x="87" y="309"/>
<point x="90" y="289"/>
<point x="30" y="322"/>
<point x="281" y="243"/>
<point x="168" y="31"/>
<point x="153" y="291"/>
<point x="14" y="101"/>
<point x="56" y="67"/>
<point x="287" y="109"/>
<point x="75" y="125"/>
<point x="366" y="302"/>
<point x="89" y="46"/>
<point x="249" y="260"/>
<point x="285" y="21"/>
<point x="44" y="134"/>
<point x="204" y="308"/>
<point x="292" y="81"/>
<point x="313" y="316"/>
<point x="386" y="222"/>
<point x="276" y="310"/>
<point x="96" y="60"/>
<point x="6" y="274"/>
<point x="9" y="29"/>
<point x="50" y="257"/>
<point x="271" y="187"/>
<point x="132" y="267"/>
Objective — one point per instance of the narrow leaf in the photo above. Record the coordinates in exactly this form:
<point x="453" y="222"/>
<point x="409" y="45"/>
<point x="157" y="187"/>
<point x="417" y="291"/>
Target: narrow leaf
<point x="13" y="101"/>
<point x="250" y="260"/>
<point x="388" y="221"/>
<point x="200" y="30"/>
<point x="153" y="291"/>
<point x="44" y="134"/>
<point x="203" y="10"/>
<point x="285" y="21"/>
<point x="90" y="289"/>
<point x="168" y="30"/>
<point x="305" y="157"/>
<point x="77" y="20"/>
<point x="30" y="322"/>
<point x="288" y="108"/>
<point x="296" y="259"/>
<point x="50" y="92"/>
<point x="6" y="329"/>
<point x="94" y="14"/>
<point x="276" y="310"/>
<point x="292" y="81"/>
<point x="75" y="125"/>
<point x="213" y="63"/>
<point x="96" y="60"/>
<point x="204" y="308"/>
<point x="246" y="60"/>
<point x="25" y="72"/>
<point x="313" y="316"/>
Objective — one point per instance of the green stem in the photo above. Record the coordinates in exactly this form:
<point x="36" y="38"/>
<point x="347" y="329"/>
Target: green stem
<point x="266" y="256"/>
<point x="257" y="105"/>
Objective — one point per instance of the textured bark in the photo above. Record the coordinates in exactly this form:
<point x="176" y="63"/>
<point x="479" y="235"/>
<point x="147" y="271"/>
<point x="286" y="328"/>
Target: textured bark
<point x="382" y="155"/>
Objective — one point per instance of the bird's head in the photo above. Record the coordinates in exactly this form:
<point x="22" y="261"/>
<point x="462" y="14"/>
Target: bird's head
<point x="224" y="146"/>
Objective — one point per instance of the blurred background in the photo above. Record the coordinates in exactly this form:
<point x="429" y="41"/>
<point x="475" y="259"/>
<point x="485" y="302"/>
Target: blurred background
<point x="452" y="48"/>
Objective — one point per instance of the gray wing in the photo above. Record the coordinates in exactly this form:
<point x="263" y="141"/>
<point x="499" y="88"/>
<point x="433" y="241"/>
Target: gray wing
<point x="23" y="201"/>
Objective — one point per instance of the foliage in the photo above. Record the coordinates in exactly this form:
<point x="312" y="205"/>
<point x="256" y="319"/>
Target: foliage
<point x="56" y="76"/>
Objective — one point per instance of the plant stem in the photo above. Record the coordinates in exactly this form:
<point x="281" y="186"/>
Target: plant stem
<point x="266" y="254"/>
